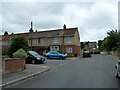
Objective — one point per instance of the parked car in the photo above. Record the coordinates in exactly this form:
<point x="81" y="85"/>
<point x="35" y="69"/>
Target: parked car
<point x="117" y="66"/>
<point x="86" y="54"/>
<point x="33" y="57"/>
<point x="97" y="52"/>
<point x="55" y="54"/>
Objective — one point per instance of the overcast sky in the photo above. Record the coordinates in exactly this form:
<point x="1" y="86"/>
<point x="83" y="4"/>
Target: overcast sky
<point x="93" y="19"/>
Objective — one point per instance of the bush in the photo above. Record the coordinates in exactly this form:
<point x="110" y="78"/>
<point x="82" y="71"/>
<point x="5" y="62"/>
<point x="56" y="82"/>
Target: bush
<point x="17" y="43"/>
<point x="5" y="57"/>
<point x="114" y="48"/>
<point x="44" y="54"/>
<point x="20" y="54"/>
<point x="59" y="51"/>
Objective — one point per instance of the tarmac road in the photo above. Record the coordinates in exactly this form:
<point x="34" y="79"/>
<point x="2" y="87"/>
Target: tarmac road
<point x="95" y="72"/>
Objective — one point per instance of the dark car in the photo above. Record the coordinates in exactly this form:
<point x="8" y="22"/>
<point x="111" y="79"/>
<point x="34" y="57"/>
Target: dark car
<point x="33" y="57"/>
<point x="86" y="54"/>
<point x="55" y="54"/>
<point x="97" y="52"/>
<point x="117" y="66"/>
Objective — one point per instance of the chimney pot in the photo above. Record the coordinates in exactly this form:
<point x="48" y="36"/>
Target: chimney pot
<point x="6" y="33"/>
<point x="64" y="27"/>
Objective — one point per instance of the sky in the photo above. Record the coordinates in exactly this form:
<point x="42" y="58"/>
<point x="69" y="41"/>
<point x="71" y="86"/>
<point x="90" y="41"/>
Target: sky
<point x="93" y="19"/>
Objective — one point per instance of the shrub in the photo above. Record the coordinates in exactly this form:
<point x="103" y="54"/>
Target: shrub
<point x="5" y="57"/>
<point x="20" y="54"/>
<point x="59" y="51"/>
<point x="114" y="48"/>
<point x="17" y="43"/>
<point x="43" y="53"/>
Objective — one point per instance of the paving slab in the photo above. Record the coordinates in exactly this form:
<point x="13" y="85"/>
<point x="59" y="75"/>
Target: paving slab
<point x="30" y="71"/>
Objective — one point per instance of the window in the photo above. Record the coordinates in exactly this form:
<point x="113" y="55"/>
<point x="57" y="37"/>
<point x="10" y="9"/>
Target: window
<point x="55" y="40"/>
<point x="30" y="41"/>
<point x="69" y="50"/>
<point x="69" y="39"/>
<point x="54" y="48"/>
<point x="45" y="40"/>
<point x="39" y="40"/>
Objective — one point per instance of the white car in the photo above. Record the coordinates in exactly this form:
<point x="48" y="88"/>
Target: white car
<point x="117" y="66"/>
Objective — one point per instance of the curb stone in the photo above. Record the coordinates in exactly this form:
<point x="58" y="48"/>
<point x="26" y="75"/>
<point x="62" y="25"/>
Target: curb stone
<point x="24" y="78"/>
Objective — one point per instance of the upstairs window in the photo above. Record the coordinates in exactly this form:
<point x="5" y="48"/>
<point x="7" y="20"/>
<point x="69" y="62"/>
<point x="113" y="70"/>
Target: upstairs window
<point x="45" y="40"/>
<point x="55" y="40"/>
<point x="39" y="40"/>
<point x="69" y="39"/>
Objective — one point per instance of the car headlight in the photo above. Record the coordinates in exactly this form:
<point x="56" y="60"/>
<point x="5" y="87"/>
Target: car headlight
<point x="38" y="58"/>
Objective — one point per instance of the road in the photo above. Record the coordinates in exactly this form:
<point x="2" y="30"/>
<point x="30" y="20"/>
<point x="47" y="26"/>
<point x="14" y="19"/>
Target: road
<point x="95" y="72"/>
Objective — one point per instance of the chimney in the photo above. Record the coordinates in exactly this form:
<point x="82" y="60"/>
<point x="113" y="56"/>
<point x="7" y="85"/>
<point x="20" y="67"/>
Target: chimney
<point x="31" y="29"/>
<point x="6" y="33"/>
<point x="64" y="27"/>
<point x="12" y="33"/>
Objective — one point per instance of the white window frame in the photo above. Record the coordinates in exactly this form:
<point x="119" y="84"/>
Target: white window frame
<point x="69" y="39"/>
<point x="69" y="50"/>
<point x="54" y="48"/>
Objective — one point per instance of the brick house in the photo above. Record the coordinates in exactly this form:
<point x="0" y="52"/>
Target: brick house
<point x="66" y="40"/>
<point x="91" y="46"/>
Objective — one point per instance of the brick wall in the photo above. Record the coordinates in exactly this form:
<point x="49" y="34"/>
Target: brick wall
<point x="12" y="65"/>
<point x="76" y="50"/>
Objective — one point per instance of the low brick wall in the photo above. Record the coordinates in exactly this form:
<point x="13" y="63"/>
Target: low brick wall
<point x="12" y="65"/>
<point x="116" y="53"/>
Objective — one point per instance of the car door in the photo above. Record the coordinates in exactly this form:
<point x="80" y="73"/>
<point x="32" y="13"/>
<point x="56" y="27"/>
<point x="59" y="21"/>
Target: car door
<point x="119" y="66"/>
<point x="56" y="55"/>
<point x="52" y="55"/>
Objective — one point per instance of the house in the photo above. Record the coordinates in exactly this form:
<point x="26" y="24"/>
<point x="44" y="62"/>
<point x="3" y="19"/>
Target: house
<point x="90" y="46"/>
<point x="65" y="40"/>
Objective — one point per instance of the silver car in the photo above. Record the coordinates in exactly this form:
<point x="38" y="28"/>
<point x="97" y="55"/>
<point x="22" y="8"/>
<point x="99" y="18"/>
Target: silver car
<point x="117" y="66"/>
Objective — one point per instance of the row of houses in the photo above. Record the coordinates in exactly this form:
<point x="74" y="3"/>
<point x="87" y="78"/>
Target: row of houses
<point x="66" y="40"/>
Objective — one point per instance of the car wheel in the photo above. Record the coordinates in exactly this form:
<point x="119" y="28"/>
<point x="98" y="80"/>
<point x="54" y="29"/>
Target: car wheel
<point x="48" y="57"/>
<point x="117" y="76"/>
<point x="33" y="61"/>
<point x="61" y="58"/>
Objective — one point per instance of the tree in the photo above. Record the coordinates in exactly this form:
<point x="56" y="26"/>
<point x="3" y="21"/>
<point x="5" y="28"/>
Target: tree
<point x="99" y="44"/>
<point x="111" y="41"/>
<point x="17" y="43"/>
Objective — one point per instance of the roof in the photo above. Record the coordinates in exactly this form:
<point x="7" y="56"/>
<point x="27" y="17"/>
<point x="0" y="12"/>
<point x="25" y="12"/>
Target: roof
<point x="44" y="34"/>
<point x="54" y="33"/>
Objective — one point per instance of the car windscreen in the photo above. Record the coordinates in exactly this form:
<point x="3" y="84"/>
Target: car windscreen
<point x="86" y="51"/>
<point x="34" y="53"/>
<point x="52" y="52"/>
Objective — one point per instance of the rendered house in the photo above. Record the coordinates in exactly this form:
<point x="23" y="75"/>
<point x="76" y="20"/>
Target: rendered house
<point x="66" y="40"/>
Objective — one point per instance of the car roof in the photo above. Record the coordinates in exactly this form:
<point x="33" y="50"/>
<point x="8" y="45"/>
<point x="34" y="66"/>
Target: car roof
<point x="87" y="51"/>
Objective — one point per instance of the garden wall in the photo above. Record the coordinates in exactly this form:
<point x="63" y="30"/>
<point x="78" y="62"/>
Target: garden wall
<point x="13" y="65"/>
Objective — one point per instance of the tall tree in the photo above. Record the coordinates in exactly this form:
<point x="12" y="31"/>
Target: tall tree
<point x="17" y="43"/>
<point x="111" y="41"/>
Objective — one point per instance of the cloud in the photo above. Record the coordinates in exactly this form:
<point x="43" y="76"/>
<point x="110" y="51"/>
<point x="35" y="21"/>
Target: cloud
<point x="93" y="19"/>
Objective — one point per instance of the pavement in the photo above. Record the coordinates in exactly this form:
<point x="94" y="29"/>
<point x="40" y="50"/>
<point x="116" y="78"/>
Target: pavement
<point x="30" y="71"/>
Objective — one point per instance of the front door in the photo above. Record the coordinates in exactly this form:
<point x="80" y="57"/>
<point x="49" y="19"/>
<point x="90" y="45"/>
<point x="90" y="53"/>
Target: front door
<point x="54" y="48"/>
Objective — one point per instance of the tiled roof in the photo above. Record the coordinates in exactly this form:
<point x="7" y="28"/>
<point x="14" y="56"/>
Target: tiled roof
<point x="8" y="37"/>
<point x="54" y="33"/>
<point x="43" y="34"/>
